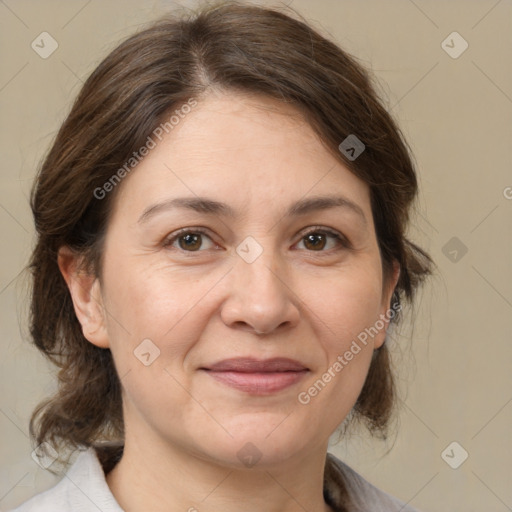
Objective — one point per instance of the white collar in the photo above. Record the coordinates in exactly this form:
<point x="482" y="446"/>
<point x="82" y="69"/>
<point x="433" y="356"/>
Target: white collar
<point x="83" y="488"/>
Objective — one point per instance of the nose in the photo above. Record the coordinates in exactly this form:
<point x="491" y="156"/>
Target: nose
<point x="260" y="297"/>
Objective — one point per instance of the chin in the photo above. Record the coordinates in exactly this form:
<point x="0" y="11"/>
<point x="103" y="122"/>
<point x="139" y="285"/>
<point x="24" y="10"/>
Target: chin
<point x="257" y="445"/>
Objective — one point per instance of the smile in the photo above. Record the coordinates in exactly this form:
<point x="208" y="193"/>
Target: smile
<point x="258" y="383"/>
<point x="257" y="376"/>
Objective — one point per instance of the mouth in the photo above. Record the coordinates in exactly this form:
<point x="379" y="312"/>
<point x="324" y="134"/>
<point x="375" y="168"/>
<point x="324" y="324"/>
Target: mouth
<point x="257" y="377"/>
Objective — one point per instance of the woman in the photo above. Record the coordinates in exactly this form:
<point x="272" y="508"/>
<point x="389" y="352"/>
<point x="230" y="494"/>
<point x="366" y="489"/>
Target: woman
<point x="221" y="252"/>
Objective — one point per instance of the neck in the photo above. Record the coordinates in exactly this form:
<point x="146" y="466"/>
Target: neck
<point x="163" y="478"/>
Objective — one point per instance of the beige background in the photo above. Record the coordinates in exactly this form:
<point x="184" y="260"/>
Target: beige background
<point x="457" y="116"/>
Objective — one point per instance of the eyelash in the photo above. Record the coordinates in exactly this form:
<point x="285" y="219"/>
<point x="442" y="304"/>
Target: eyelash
<point x="342" y="241"/>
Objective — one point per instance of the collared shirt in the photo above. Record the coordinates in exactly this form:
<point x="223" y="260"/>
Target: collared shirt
<point x="84" y="489"/>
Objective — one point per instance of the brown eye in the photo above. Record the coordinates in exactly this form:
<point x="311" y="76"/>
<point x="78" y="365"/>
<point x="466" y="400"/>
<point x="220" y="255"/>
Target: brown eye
<point x="188" y="240"/>
<point x="317" y="240"/>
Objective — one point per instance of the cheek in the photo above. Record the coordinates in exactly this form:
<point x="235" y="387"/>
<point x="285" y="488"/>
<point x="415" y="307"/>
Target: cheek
<point x="348" y="304"/>
<point x="152" y="300"/>
<point x="151" y="322"/>
<point x="344" y="314"/>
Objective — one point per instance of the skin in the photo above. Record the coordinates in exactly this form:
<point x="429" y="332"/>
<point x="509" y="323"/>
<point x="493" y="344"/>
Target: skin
<point x="298" y="300"/>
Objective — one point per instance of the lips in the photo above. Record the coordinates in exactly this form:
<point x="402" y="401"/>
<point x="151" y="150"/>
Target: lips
<point x="250" y="365"/>
<point x="257" y="377"/>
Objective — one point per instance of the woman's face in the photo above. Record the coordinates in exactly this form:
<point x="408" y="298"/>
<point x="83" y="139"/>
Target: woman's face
<point x="244" y="281"/>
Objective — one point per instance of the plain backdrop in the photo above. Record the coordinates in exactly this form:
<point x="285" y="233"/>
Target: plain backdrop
<point x="455" y="110"/>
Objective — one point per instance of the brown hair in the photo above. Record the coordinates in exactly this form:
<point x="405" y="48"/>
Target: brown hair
<point x="231" y="47"/>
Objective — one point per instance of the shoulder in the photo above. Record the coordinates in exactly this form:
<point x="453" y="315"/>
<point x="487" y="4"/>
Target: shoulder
<point x="82" y="489"/>
<point x="341" y="480"/>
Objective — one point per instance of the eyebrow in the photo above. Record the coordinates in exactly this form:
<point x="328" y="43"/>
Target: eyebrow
<point x="212" y="207"/>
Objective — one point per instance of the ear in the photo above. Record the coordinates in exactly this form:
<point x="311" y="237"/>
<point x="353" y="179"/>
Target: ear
<point x="85" y="290"/>
<point x="387" y="310"/>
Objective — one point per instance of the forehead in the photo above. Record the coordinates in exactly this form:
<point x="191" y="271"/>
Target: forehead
<point x="243" y="150"/>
